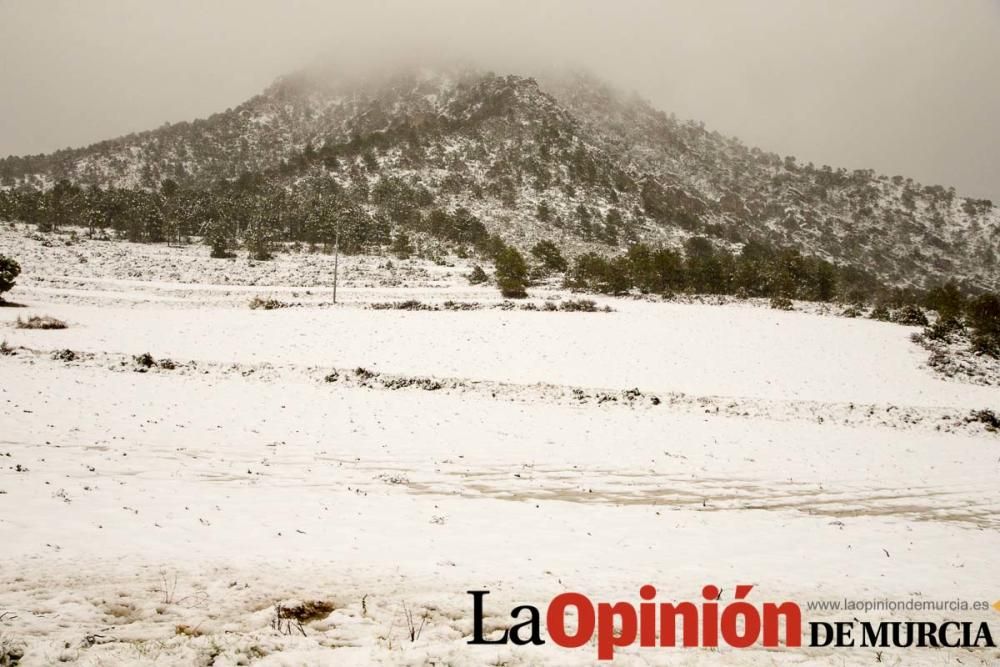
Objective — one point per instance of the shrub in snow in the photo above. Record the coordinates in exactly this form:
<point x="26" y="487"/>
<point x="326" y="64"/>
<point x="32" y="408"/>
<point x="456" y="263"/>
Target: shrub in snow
<point x="987" y="417"/>
<point x="579" y="305"/>
<point x="781" y="303"/>
<point x="460" y="305"/>
<point x="852" y="311"/>
<point x="11" y="651"/>
<point x="9" y="270"/>
<point x="948" y="300"/>
<point x="220" y="251"/>
<point x="881" y="313"/>
<point x="409" y="304"/>
<point x="258" y="303"/>
<point x="144" y="360"/>
<point x="477" y="276"/>
<point x="986" y="344"/>
<point x="944" y="329"/>
<point x="40" y="322"/>
<point x="306" y="612"/>
<point x="910" y="315"/>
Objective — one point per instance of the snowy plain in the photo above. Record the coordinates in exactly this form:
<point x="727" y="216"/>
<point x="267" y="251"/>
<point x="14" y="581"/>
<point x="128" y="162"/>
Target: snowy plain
<point x="158" y="517"/>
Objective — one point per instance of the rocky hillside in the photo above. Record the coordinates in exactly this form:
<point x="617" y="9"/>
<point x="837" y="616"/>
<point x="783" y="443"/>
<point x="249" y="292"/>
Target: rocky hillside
<point x="568" y="159"/>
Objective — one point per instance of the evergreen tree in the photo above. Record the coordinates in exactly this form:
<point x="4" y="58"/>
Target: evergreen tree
<point x="511" y="273"/>
<point x="9" y="270"/>
<point x="983" y="314"/>
<point x="401" y="246"/>
<point x="947" y="300"/>
<point x="544" y="213"/>
<point x="549" y="256"/>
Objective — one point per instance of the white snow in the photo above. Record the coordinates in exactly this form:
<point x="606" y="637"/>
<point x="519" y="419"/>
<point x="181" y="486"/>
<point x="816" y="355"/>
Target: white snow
<point x="136" y="503"/>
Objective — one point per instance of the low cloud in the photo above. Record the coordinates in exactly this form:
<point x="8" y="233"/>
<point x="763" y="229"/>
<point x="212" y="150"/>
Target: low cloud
<point x="901" y="86"/>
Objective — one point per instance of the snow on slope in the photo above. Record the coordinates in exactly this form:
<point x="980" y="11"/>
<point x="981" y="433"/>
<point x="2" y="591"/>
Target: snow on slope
<point x="697" y="349"/>
<point x="502" y="145"/>
<point x="303" y="491"/>
<point x="156" y="518"/>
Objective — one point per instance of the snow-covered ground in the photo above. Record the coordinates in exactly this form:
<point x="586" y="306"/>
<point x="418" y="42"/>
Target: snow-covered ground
<point x="158" y="517"/>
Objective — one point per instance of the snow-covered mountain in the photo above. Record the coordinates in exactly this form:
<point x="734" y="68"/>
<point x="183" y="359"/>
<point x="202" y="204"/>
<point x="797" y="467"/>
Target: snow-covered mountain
<point x="566" y="158"/>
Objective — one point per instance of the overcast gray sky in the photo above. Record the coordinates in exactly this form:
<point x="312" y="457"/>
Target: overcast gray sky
<point x="902" y="86"/>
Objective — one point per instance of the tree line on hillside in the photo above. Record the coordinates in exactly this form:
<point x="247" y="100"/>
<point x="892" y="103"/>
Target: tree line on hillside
<point x="758" y="270"/>
<point x="252" y="212"/>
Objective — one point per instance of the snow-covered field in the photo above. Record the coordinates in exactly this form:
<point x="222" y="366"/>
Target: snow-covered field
<point x="158" y="517"/>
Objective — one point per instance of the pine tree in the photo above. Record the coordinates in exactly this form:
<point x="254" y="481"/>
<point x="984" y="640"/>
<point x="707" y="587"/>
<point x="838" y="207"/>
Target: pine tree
<point x="511" y="273"/>
<point x="401" y="246"/>
<point x="9" y="270"/>
<point x="549" y="256"/>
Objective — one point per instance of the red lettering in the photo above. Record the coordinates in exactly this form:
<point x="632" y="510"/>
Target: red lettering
<point x="555" y="620"/>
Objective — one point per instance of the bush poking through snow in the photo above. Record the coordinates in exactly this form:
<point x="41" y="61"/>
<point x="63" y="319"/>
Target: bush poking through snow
<point x="944" y="329"/>
<point x="852" y="311"/>
<point x="9" y="270"/>
<point x="412" y="628"/>
<point x="460" y="305"/>
<point x="880" y="313"/>
<point x="409" y="304"/>
<point x="579" y="306"/>
<point x="987" y="417"/>
<point x="306" y="612"/>
<point x="986" y="344"/>
<point x="5" y="349"/>
<point x="781" y="303"/>
<point x="364" y="374"/>
<point x="910" y="315"/>
<point x="66" y="355"/>
<point x="144" y="360"/>
<point x="258" y="303"/>
<point x="285" y="625"/>
<point x="40" y="322"/>
<point x="187" y="631"/>
<point x="11" y="651"/>
<point x="478" y="276"/>
<point x="427" y="384"/>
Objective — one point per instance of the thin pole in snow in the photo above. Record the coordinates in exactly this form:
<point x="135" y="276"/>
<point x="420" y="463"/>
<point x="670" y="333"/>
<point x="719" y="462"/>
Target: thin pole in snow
<point x="336" y="261"/>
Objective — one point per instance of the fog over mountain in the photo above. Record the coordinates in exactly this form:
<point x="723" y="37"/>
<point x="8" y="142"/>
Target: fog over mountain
<point x="886" y="86"/>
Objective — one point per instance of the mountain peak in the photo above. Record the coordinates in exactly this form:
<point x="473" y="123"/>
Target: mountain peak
<point x="566" y="156"/>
